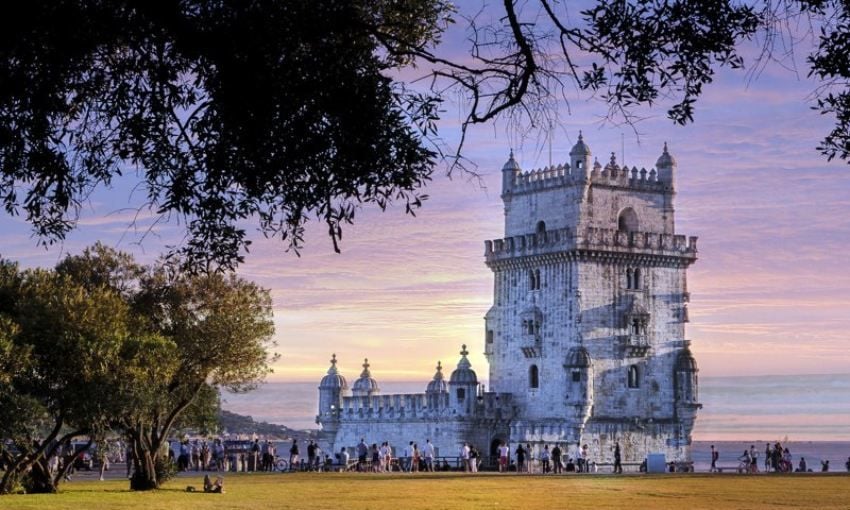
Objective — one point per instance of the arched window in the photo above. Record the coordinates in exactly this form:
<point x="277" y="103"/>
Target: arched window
<point x="537" y="278"/>
<point x="541" y="227"/>
<point x="533" y="377"/>
<point x="531" y="282"/>
<point x="628" y="220"/>
<point x="489" y="336"/>
<point x="629" y="278"/>
<point x="636" y="279"/>
<point x="633" y="377"/>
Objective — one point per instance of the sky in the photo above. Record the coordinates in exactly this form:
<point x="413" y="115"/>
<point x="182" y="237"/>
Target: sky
<point x="770" y="292"/>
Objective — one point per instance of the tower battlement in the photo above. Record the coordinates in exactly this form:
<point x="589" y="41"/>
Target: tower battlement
<point x="615" y="241"/>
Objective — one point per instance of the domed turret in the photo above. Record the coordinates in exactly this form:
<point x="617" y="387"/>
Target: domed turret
<point x="580" y="148"/>
<point x="666" y="165"/>
<point x="331" y="390"/>
<point x="438" y="383"/>
<point x="366" y="385"/>
<point x="685" y="361"/>
<point x="509" y="172"/>
<point x="334" y="379"/>
<point x="580" y="159"/>
<point x="463" y="385"/>
<point x="464" y="374"/>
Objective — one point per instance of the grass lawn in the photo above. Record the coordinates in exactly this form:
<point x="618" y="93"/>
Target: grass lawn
<point x="457" y="491"/>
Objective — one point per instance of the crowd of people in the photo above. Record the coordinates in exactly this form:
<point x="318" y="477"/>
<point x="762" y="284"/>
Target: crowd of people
<point x="777" y="459"/>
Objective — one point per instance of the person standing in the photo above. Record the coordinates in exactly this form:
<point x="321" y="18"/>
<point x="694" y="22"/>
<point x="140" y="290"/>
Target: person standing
<point x="504" y="453"/>
<point x="544" y="459"/>
<point x="473" y="458"/>
<point x="362" y="452"/>
<point x="311" y="455"/>
<point x="754" y="459"/>
<point x="520" y="458"/>
<point x="408" y="458"/>
<point x="293" y="455"/>
<point x="579" y="459"/>
<point x="464" y="457"/>
<point x="767" y="455"/>
<point x="417" y="458"/>
<point x="618" y="464"/>
<point x="343" y="459"/>
<point x="556" y="459"/>
<point x="429" y="455"/>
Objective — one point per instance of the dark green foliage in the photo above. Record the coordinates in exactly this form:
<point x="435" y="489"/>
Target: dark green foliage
<point x="230" y="110"/>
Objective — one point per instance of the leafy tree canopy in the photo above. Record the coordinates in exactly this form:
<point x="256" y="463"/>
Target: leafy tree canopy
<point x="281" y="111"/>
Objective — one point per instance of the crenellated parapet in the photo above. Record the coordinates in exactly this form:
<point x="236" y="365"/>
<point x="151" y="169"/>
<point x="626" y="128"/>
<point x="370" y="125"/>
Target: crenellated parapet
<point x="597" y="239"/>
<point x="389" y="407"/>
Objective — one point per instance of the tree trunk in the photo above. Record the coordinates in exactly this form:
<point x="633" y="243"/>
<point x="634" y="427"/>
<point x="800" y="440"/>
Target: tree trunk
<point x="144" y="475"/>
<point x="40" y="480"/>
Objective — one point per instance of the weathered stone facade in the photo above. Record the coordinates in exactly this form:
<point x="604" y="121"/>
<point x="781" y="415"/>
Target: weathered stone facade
<point x="586" y="336"/>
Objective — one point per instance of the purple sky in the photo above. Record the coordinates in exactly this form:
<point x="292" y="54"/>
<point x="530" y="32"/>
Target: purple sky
<point x="769" y="295"/>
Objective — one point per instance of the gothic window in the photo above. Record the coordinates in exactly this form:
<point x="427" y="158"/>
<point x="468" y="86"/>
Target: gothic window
<point x="633" y="377"/>
<point x="629" y="278"/>
<point x="534" y="279"/>
<point x="627" y="221"/>
<point x="636" y="329"/>
<point x="489" y="336"/>
<point x="529" y="327"/>
<point x="533" y="377"/>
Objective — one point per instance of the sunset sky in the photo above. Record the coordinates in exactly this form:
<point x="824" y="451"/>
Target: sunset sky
<point x="770" y="293"/>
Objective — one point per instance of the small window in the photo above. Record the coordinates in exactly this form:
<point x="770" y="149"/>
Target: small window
<point x="537" y="278"/>
<point x="489" y="336"/>
<point x="461" y="393"/>
<point x="541" y="227"/>
<point x="636" y="279"/>
<point x="629" y="278"/>
<point x="533" y="377"/>
<point x="633" y="377"/>
<point x="576" y="376"/>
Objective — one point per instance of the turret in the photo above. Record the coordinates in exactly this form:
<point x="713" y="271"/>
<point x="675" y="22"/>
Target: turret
<point x="463" y="385"/>
<point x="580" y="159"/>
<point x="331" y="390"/>
<point x="365" y="386"/>
<point x="579" y="390"/>
<point x="666" y="165"/>
<point x="685" y="380"/>
<point x="437" y="390"/>
<point x="510" y="171"/>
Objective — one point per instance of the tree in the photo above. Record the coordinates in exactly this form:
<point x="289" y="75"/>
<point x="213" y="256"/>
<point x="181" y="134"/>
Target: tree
<point x="60" y="347"/>
<point x="206" y="332"/>
<point x="281" y="111"/>
<point x="230" y="110"/>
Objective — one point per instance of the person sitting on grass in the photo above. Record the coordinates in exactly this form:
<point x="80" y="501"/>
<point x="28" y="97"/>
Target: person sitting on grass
<point x="214" y="487"/>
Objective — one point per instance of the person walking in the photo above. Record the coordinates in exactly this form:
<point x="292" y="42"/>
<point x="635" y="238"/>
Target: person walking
<point x="715" y="456"/>
<point x="417" y="458"/>
<point x="464" y="458"/>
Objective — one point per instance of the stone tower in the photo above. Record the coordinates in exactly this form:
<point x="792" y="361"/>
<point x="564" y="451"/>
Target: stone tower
<point x="587" y="327"/>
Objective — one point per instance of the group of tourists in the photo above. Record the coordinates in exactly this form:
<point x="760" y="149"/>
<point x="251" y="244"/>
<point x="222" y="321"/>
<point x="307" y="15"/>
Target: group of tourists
<point x="555" y="460"/>
<point x="199" y="455"/>
<point x="777" y="459"/>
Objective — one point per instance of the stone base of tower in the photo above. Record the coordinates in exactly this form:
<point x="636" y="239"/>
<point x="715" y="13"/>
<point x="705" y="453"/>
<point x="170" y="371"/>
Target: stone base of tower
<point x="637" y="440"/>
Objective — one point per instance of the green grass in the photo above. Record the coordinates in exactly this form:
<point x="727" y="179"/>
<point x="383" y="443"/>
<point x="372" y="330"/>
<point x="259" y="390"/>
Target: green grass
<point x="458" y="491"/>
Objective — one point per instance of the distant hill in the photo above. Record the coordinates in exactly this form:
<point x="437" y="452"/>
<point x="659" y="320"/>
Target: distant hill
<point x="233" y="423"/>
